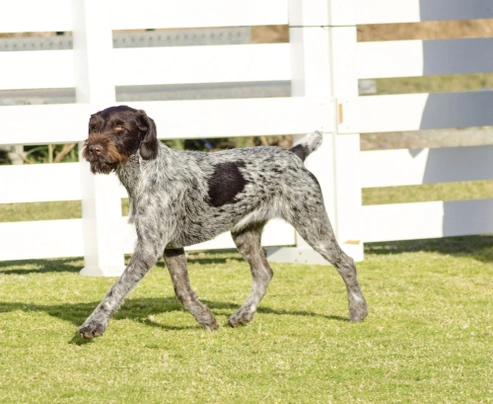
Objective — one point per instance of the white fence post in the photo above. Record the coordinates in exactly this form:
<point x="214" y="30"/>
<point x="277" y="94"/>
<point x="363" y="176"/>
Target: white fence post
<point x="101" y="204"/>
<point x="343" y="38"/>
<point x="310" y="67"/>
<point x="323" y="47"/>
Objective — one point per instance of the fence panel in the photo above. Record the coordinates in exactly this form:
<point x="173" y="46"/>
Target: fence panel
<point x="63" y="238"/>
<point x="55" y="15"/>
<point x="43" y="124"/>
<point x="197" y="13"/>
<point x="155" y="65"/>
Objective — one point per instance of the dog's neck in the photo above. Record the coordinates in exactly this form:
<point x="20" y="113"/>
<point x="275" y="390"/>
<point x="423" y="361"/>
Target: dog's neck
<point x="130" y="173"/>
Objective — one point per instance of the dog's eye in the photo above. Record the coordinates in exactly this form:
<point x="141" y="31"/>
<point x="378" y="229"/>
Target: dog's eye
<point x="93" y="127"/>
<point x="119" y="128"/>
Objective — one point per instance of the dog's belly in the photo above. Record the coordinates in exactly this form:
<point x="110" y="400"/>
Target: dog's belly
<point x="196" y="233"/>
<point x="217" y="222"/>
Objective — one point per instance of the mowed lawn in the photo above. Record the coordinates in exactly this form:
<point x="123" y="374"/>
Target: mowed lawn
<point x="428" y="337"/>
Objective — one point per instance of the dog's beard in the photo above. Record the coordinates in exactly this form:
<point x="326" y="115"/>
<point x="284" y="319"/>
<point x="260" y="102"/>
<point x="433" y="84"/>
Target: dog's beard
<point x="102" y="167"/>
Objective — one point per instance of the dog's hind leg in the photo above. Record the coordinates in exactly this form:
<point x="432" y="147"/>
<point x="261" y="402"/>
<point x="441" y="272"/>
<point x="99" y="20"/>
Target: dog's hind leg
<point x="248" y="243"/>
<point x="176" y="263"/>
<point x="312" y="223"/>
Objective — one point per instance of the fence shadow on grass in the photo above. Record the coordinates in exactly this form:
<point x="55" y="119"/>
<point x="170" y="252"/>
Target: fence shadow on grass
<point x="142" y="310"/>
<point x="26" y="267"/>
<point x="477" y="247"/>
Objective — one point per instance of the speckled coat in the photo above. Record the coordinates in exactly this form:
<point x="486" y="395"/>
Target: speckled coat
<point x="180" y="198"/>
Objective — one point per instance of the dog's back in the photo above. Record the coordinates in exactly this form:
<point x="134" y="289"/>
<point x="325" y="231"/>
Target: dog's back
<point x="230" y="189"/>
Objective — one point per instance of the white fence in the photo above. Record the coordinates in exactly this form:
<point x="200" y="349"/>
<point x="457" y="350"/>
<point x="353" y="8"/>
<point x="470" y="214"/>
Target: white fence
<point x="323" y="61"/>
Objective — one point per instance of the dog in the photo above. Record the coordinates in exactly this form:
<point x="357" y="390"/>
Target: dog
<point x="180" y="198"/>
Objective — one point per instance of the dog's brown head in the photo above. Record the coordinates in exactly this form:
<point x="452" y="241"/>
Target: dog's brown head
<point x="117" y="133"/>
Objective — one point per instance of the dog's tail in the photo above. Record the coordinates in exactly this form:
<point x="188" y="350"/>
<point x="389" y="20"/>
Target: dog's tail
<point x="307" y="145"/>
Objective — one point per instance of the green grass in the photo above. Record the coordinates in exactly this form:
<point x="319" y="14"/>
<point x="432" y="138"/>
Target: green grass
<point x="428" y="337"/>
<point x="435" y="84"/>
<point x="450" y="191"/>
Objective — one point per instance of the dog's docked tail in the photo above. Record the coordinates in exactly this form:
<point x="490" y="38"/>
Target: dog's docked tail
<point x="307" y="145"/>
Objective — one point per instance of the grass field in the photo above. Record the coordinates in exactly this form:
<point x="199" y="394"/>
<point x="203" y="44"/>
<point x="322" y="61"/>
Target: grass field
<point x="428" y="337"/>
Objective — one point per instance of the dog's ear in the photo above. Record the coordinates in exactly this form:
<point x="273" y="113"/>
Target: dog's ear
<point x="149" y="143"/>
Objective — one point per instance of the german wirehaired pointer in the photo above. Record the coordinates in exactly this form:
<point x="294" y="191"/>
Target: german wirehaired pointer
<point x="180" y="198"/>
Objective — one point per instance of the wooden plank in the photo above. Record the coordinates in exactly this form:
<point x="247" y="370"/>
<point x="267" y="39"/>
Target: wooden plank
<point x="63" y="238"/>
<point x="424" y="58"/>
<point x="43" y="124"/>
<point x="37" y="69"/>
<point x="197" y="13"/>
<point x="409" y="221"/>
<point x="388" y="168"/>
<point x="55" y="15"/>
<point x="276" y="233"/>
<point x="41" y="239"/>
<point x="146" y="66"/>
<point x="40" y="183"/>
<point x="391" y="11"/>
<point x="388" y="113"/>
<point x="202" y="64"/>
<point x="242" y="117"/>
<point x="35" y="16"/>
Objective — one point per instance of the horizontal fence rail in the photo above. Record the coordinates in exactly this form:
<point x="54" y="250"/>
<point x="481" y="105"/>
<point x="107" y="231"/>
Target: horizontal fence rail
<point x="154" y="65"/>
<point x="63" y="238"/>
<point x="174" y="119"/>
<point x="24" y="15"/>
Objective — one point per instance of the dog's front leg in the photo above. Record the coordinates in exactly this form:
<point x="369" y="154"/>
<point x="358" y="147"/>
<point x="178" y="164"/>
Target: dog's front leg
<point x="144" y="258"/>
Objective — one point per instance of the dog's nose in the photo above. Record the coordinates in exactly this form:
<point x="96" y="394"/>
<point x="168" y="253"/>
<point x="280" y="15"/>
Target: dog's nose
<point x="95" y="149"/>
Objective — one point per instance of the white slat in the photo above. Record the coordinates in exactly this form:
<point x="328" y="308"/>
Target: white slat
<point x="42" y="124"/>
<point x="242" y="117"/>
<point x="388" y="168"/>
<point x="41" y="239"/>
<point x="37" y="69"/>
<point x="276" y="233"/>
<point x="63" y="238"/>
<point x="424" y="58"/>
<point x="408" y="221"/>
<point x="197" y="13"/>
<point x="388" y="113"/>
<point x="35" y="16"/>
<point x="55" y="15"/>
<point x="40" y="183"/>
<point x="146" y="66"/>
<point x="202" y="64"/>
<point x="392" y="11"/>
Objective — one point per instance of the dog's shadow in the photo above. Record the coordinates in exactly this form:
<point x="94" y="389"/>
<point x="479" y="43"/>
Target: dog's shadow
<point x="142" y="310"/>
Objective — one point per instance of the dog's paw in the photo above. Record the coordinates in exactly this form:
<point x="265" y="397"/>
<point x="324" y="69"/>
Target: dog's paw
<point x="241" y="317"/>
<point x="91" y="329"/>
<point x="358" y="311"/>
<point x="212" y="325"/>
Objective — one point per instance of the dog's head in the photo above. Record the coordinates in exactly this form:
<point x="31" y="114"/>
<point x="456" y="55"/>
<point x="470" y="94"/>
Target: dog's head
<point x="117" y="133"/>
